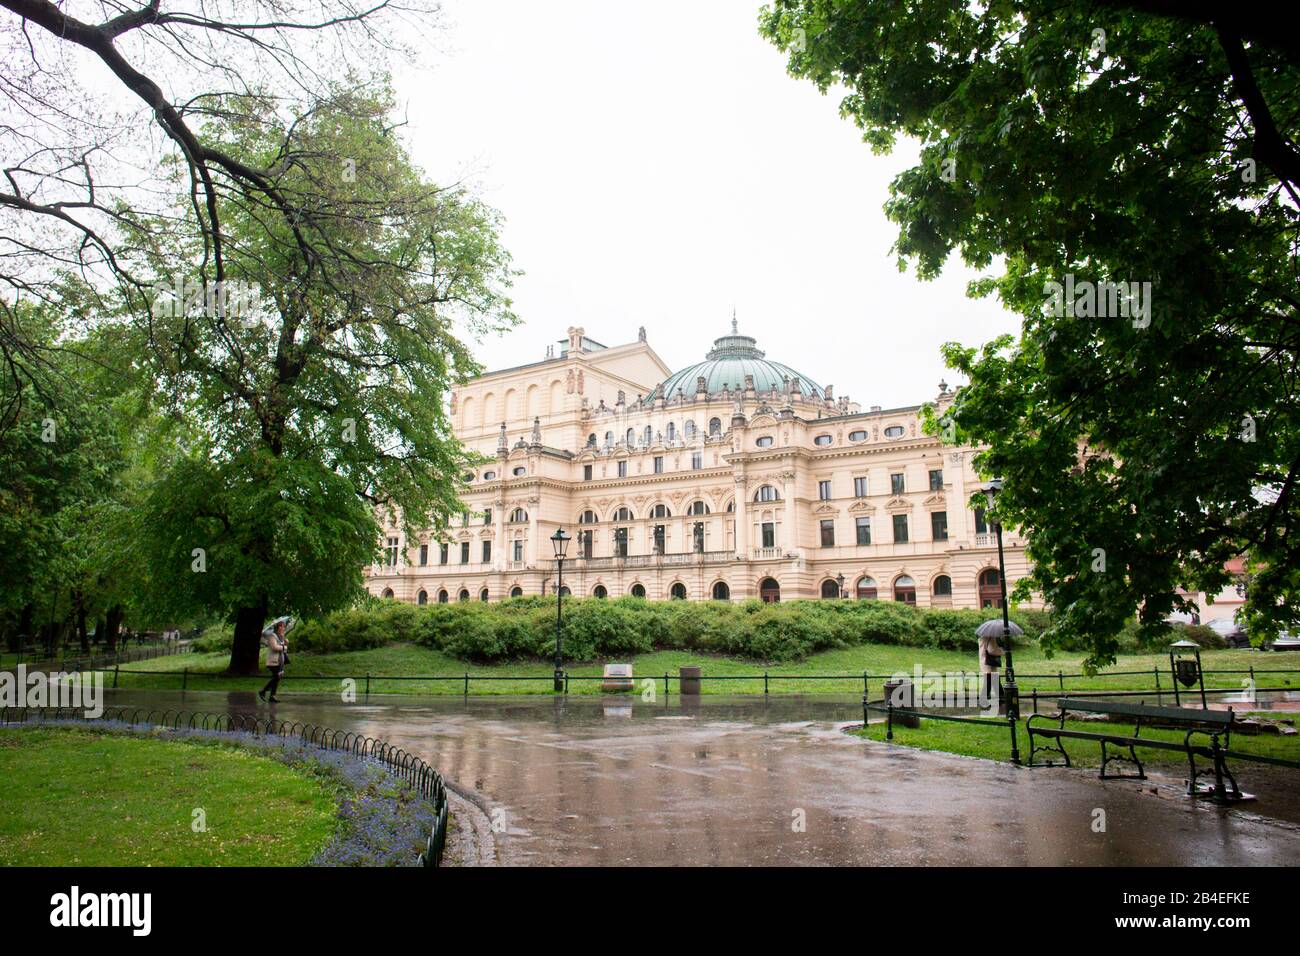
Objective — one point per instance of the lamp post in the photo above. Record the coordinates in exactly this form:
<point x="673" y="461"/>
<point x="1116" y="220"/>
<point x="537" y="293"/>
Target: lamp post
<point x="560" y="541"/>
<point x="991" y="491"/>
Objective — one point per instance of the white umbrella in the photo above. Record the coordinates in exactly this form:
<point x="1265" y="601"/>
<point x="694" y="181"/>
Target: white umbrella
<point x="993" y="628"/>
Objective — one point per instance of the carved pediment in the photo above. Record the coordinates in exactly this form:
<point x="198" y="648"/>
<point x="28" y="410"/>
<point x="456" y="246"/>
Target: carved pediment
<point x="898" y="503"/>
<point x="936" y="499"/>
<point x="826" y="509"/>
<point x="861" y="505"/>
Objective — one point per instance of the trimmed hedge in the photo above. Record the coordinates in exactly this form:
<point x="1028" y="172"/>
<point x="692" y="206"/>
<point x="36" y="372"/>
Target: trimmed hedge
<point x="594" y="628"/>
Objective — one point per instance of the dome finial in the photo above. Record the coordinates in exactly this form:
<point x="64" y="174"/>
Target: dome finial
<point x="734" y="330"/>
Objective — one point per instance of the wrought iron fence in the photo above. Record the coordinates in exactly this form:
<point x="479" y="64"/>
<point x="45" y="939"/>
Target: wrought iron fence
<point x="94" y="661"/>
<point x="419" y="775"/>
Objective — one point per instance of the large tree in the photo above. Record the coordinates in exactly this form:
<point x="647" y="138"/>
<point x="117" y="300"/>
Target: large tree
<point x="1150" y="431"/>
<point x="304" y="412"/>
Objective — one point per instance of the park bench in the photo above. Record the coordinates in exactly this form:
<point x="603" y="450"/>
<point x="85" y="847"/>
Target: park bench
<point x="1215" y="725"/>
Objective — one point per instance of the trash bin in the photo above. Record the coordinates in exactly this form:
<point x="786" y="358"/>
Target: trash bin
<point x="901" y="694"/>
<point x="689" y="681"/>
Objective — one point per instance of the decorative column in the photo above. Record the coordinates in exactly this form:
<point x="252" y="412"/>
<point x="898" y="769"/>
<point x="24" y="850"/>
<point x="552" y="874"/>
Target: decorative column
<point x="791" y="513"/>
<point x="741" y="517"/>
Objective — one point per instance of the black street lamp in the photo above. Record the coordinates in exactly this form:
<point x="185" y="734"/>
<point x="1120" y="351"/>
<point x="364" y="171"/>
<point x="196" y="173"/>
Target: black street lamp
<point x="560" y="541"/>
<point x="991" y="491"/>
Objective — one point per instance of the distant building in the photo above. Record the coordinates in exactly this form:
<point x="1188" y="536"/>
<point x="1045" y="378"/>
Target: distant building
<point x="736" y="477"/>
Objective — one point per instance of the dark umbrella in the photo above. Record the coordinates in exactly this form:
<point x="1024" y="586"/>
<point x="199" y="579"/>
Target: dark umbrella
<point x="993" y="628"/>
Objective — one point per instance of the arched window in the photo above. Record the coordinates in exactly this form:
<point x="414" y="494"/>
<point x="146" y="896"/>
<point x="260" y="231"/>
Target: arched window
<point x="388" y="593"/>
<point x="767" y="493"/>
<point x="867" y="589"/>
<point x="690" y="430"/>
<point x="731" y="506"/>
<point x="830" y="589"/>
<point x="942" y="586"/>
<point x="660" y="511"/>
<point x="698" y="508"/>
<point x="422" y="597"/>
<point x="483" y="595"/>
<point x="630" y="437"/>
<point x="715" y="426"/>
<point x="609" y="438"/>
<point x="518" y="516"/>
<point x="647" y="436"/>
<point x="623" y="514"/>
<point x="721" y="592"/>
<point x="678" y="591"/>
<point x="443" y="596"/>
<point x="599" y="591"/>
<point x="769" y="591"/>
<point x="671" y="431"/>
<point x="638" y="590"/>
<point x="516" y="591"/>
<point x="463" y="595"/>
<point x="591" y="440"/>
<point x="990" y="588"/>
<point x="564" y="591"/>
<point x="587" y="517"/>
<point x="904" y="589"/>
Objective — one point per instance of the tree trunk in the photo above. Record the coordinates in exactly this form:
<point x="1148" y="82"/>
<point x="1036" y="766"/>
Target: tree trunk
<point x="101" y="630"/>
<point x="24" y="633"/>
<point x="79" y="605"/>
<point x="112" y="622"/>
<point x="247" y="644"/>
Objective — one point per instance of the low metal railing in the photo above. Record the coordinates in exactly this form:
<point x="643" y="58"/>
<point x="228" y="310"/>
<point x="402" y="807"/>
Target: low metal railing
<point x="421" y="777"/>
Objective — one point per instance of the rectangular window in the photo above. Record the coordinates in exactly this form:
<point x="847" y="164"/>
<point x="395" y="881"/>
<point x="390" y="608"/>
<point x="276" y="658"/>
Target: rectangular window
<point x="424" y="554"/>
<point x="828" y="533"/>
<point x="487" y="516"/>
<point x="622" y="469"/>
<point x="864" y="530"/>
<point x="464" y="552"/>
<point x="390" y="553"/>
<point x="900" y="528"/>
<point x="584" y="544"/>
<point x="769" y="534"/>
<point x="586" y="472"/>
<point x="936" y="479"/>
<point x="824" y="490"/>
<point x="487" y="552"/>
<point x="620" y="542"/>
<point x="659" y="539"/>
<point x="699" y="537"/>
<point x="896" y="485"/>
<point x="697" y="460"/>
<point x="939" y="525"/>
<point x="860" y="487"/>
<point x="981" y="525"/>
<point x="518" y="546"/>
<point x="659" y="464"/>
<point x="442" y="553"/>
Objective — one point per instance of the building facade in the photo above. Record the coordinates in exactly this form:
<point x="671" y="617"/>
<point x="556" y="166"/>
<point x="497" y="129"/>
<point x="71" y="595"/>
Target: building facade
<point x="736" y="477"/>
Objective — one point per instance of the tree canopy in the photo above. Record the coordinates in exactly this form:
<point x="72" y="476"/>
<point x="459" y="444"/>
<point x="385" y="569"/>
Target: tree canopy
<point x="1125" y="176"/>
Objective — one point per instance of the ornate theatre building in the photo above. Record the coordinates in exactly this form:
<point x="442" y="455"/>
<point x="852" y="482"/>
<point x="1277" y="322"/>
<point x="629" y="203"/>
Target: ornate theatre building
<point x="737" y="477"/>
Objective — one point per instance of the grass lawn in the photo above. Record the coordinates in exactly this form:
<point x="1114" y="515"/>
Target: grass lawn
<point x="1033" y="669"/>
<point x="75" y="798"/>
<point x="994" y="743"/>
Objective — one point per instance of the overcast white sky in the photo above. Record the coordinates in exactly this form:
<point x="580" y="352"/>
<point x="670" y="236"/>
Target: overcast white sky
<point x="657" y="166"/>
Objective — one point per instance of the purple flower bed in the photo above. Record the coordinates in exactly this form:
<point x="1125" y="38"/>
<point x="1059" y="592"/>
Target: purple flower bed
<point x="383" y="820"/>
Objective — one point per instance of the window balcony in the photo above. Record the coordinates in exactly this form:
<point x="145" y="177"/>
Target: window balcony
<point x="768" y="554"/>
<point x="988" y="539"/>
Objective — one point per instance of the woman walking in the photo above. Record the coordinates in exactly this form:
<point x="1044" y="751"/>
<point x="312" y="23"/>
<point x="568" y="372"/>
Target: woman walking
<point x="277" y="656"/>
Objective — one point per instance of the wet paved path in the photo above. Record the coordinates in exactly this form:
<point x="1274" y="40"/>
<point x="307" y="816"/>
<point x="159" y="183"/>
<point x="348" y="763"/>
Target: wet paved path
<point x="587" y="780"/>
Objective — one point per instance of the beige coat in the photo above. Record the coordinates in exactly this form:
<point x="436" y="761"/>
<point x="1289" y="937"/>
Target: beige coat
<point x="990" y="645"/>
<point x="274" y="650"/>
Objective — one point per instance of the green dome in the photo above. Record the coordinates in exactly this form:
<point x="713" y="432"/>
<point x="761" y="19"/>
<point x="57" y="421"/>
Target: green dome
<point x="732" y="358"/>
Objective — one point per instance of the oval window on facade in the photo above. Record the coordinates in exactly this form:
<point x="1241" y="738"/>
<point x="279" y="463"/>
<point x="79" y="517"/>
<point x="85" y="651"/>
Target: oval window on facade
<point x="894" y="431"/>
<point x="858" y="435"/>
<point x="489" y="475"/>
<point x="763" y="441"/>
<point x="823" y="440"/>
<point x="521" y="470"/>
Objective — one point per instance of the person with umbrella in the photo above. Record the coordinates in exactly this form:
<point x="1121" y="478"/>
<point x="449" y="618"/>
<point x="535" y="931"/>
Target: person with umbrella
<point x="277" y="655"/>
<point x="991" y="649"/>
